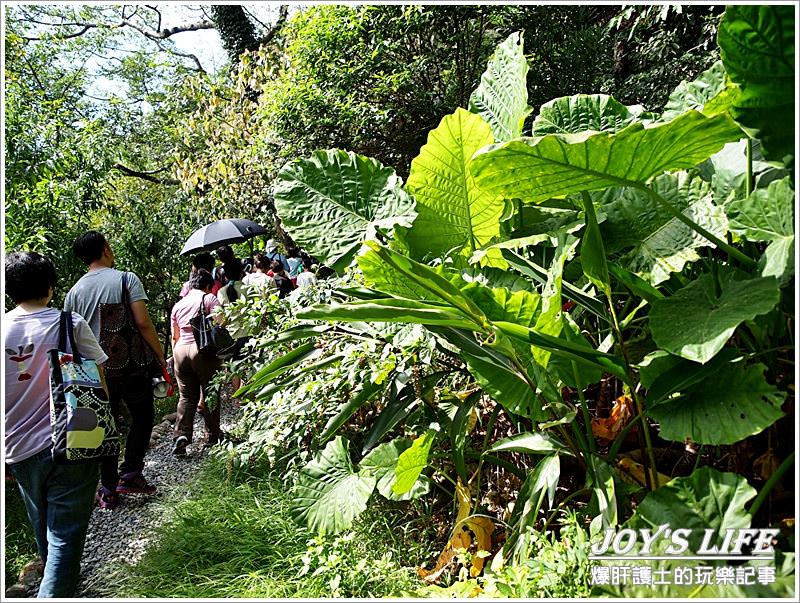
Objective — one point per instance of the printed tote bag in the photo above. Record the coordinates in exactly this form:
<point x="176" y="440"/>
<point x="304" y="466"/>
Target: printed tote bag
<point x="83" y="424"/>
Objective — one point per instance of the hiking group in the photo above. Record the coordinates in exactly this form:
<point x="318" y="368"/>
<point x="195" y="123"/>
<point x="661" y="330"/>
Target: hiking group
<point x="108" y="324"/>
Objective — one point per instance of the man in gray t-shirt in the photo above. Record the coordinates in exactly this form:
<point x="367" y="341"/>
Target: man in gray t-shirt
<point x="102" y="284"/>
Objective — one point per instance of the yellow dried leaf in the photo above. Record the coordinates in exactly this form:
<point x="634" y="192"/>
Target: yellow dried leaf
<point x="633" y="473"/>
<point x="621" y="413"/>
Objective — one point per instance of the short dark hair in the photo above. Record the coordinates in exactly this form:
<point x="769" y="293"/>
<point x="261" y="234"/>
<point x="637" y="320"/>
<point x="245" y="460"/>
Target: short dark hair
<point x="29" y="275"/>
<point x="203" y="260"/>
<point x="89" y="246"/>
<point x="234" y="271"/>
<point x="225" y="253"/>
<point x="277" y="266"/>
<point x="202" y="279"/>
<point x="262" y="262"/>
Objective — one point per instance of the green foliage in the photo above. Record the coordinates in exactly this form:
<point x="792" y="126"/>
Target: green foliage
<point x="330" y="493"/>
<point x="383" y="463"/>
<point x="767" y="215"/>
<point x="240" y="537"/>
<point x="19" y="545"/>
<point x="560" y="164"/>
<point x="733" y="403"/>
<point x="757" y="46"/>
<point x="501" y="99"/>
<point x="582" y="112"/>
<point x="454" y="216"/>
<point x="329" y="200"/>
<point x="698" y="320"/>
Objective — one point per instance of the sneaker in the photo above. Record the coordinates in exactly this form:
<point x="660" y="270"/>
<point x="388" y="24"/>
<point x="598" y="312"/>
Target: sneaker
<point x="179" y="449"/>
<point x="134" y="483"/>
<point x="106" y="499"/>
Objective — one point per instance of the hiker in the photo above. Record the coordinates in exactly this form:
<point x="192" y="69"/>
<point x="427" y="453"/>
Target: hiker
<point x="261" y="278"/>
<point x="228" y="294"/>
<point x="225" y="255"/>
<point x="103" y="286"/>
<point x="193" y="370"/>
<point x="306" y="278"/>
<point x="202" y="260"/>
<point x="295" y="264"/>
<point x="271" y="253"/>
<point x="58" y="498"/>
<point x="282" y="280"/>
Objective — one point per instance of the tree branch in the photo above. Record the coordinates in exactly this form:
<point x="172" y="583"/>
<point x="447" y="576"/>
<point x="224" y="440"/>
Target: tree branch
<point x="283" y="13"/>
<point x="145" y="175"/>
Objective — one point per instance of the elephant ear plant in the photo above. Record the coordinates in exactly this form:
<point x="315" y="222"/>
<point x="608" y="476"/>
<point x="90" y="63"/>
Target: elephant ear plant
<point x="606" y="248"/>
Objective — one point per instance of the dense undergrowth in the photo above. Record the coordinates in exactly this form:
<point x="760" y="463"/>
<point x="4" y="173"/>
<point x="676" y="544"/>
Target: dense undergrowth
<point x="235" y="538"/>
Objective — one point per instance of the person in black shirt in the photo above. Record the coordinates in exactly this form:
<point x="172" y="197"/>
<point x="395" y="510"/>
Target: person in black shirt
<point x="282" y="280"/>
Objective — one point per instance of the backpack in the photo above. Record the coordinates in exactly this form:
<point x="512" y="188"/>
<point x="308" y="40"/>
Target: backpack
<point x="129" y="355"/>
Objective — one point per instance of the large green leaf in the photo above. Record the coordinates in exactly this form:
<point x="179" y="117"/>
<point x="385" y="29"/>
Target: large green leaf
<point x="395" y="310"/>
<point x="329" y="201"/>
<point x="582" y="112"/>
<point x="452" y="213"/>
<point x="696" y="321"/>
<point x="549" y="321"/>
<point x="279" y="366"/>
<point x="532" y="442"/>
<point x="501" y="99"/>
<point x="381" y="464"/>
<point x="536" y="169"/>
<point x="709" y="94"/>
<point x="706" y="500"/>
<point x="726" y="407"/>
<point x="661" y="244"/>
<point x="496" y="373"/>
<point x="411" y="462"/>
<point x="757" y="46"/>
<point x="329" y="493"/>
<point x="768" y="215"/>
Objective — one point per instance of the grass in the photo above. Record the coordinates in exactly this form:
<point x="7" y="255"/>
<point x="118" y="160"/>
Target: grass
<point x="20" y="545"/>
<point x="238" y="540"/>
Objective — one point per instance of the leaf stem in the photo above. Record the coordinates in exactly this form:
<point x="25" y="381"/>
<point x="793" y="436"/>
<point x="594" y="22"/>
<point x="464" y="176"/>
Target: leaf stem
<point x="771" y="482"/>
<point x="587" y="418"/>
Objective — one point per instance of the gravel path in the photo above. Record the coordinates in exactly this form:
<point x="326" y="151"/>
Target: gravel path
<point x="123" y="535"/>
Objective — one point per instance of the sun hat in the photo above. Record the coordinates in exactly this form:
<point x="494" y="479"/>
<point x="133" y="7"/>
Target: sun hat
<point x="271" y="245"/>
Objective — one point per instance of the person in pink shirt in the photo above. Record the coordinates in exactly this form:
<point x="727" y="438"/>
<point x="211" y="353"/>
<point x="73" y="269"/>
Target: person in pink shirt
<point x="193" y="370"/>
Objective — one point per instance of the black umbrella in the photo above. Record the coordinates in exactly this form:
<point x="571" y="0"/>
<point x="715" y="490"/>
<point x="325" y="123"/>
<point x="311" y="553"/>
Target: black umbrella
<point x="222" y="232"/>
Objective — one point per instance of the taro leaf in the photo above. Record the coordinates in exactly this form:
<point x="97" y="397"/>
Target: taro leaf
<point x="329" y="493"/>
<point x="664" y="374"/>
<point x="757" y="47"/>
<point x="768" y="215"/>
<point x="533" y="443"/>
<point x="709" y="94"/>
<point x="549" y="321"/>
<point x="381" y="463"/>
<point x="453" y="214"/>
<point x="593" y="252"/>
<point x="707" y="499"/>
<point x="411" y="462"/>
<point x="729" y="405"/>
<point x="496" y="374"/>
<point x="695" y="322"/>
<point x="537" y="169"/>
<point x="661" y="243"/>
<point x="329" y="200"/>
<point x="501" y="99"/>
<point x="582" y="112"/>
